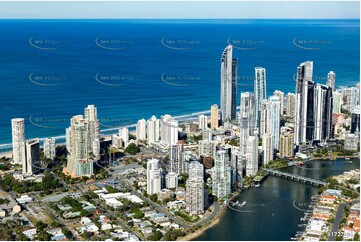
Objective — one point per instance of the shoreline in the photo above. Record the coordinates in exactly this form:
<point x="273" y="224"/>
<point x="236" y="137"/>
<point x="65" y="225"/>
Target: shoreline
<point x="200" y="231"/>
<point x="9" y="153"/>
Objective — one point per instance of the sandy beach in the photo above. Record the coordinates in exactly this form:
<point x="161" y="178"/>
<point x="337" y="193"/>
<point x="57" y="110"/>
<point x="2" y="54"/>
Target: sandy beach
<point x="7" y="154"/>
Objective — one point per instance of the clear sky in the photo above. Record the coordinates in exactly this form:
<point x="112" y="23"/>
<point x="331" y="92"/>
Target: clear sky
<point x="176" y="10"/>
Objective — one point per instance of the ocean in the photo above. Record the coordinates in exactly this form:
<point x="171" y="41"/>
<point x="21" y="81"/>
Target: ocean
<point x="50" y="70"/>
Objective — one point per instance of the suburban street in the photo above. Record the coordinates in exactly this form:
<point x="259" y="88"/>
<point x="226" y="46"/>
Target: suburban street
<point x="338" y="217"/>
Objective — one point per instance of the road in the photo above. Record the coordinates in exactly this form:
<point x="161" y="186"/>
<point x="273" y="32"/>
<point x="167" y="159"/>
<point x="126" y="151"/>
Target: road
<point x="54" y="216"/>
<point x="216" y="209"/>
<point x="336" y="223"/>
<point x="160" y="208"/>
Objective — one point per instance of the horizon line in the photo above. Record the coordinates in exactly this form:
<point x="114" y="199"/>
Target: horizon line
<point x="179" y="18"/>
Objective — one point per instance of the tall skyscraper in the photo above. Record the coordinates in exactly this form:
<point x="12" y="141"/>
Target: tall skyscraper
<point x="331" y="79"/>
<point x="281" y="97"/>
<point x="195" y="196"/>
<point x="221" y="175"/>
<point x="286" y="145"/>
<point x="214" y="116"/>
<point x="355" y="120"/>
<point x="270" y="119"/>
<point x="323" y="113"/>
<point x="350" y="98"/>
<point x="49" y="148"/>
<point x="264" y="116"/>
<point x="259" y="90"/>
<point x="153" y="129"/>
<point x="18" y="140"/>
<point x="68" y="139"/>
<point x="275" y="120"/>
<point x="252" y="156"/>
<point x="79" y="163"/>
<point x="228" y="85"/>
<point x="304" y="113"/>
<point x="202" y="122"/>
<point x="337" y="102"/>
<point x="247" y="119"/>
<point x="169" y="129"/>
<point x="124" y="135"/>
<point x="141" y="130"/>
<point x="153" y="177"/>
<point x="290" y="105"/>
<point x="267" y="146"/>
<point x="32" y="156"/>
<point x="90" y="114"/>
<point x="177" y="160"/>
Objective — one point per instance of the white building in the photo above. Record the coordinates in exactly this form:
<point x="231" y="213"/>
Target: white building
<point x="290" y="105"/>
<point x="202" y="122"/>
<point x="49" y="148"/>
<point x="270" y="119"/>
<point x="247" y="119"/>
<point x="350" y="98"/>
<point x="79" y="163"/>
<point x="171" y="180"/>
<point x="124" y="135"/>
<point x="32" y="156"/>
<point x="322" y="113"/>
<point x="68" y="139"/>
<point x="90" y="114"/>
<point x="252" y="156"/>
<point x="196" y="170"/>
<point x="303" y="121"/>
<point x="331" y="79"/>
<point x="142" y="130"/>
<point x="275" y="120"/>
<point x="153" y="177"/>
<point x="221" y="175"/>
<point x="18" y="140"/>
<point x="116" y="141"/>
<point x="169" y="129"/>
<point x="195" y="196"/>
<point x="281" y="97"/>
<point x="351" y="141"/>
<point x="267" y="146"/>
<point x="337" y="102"/>
<point x="228" y="85"/>
<point x="207" y="148"/>
<point x="152" y="130"/>
<point x="259" y="90"/>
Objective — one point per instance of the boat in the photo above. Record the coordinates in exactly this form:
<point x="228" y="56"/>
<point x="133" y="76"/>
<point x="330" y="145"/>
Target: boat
<point x="347" y="159"/>
<point x="243" y="204"/>
<point x="257" y="185"/>
<point x="301" y="163"/>
<point x="235" y="203"/>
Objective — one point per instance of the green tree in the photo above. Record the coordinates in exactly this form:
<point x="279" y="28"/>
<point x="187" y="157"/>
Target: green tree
<point x="40" y="226"/>
<point x="356" y="237"/>
<point x="43" y="236"/>
<point x="132" y="149"/>
<point x="154" y="197"/>
<point x="157" y="235"/>
<point x="85" y="213"/>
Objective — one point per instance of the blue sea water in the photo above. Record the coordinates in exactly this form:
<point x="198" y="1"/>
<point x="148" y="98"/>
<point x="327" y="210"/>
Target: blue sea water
<point x="50" y="70"/>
